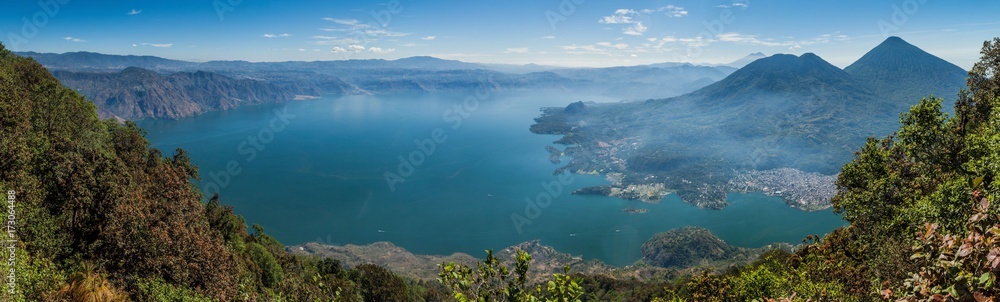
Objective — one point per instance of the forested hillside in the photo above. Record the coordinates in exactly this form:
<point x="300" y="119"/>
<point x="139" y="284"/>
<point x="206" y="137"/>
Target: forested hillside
<point x="102" y="216"/>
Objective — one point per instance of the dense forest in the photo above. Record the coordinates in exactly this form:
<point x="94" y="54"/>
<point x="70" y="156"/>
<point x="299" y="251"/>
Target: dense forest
<point x="102" y="216"/>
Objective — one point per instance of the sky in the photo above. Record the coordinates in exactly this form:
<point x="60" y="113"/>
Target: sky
<point x="547" y="32"/>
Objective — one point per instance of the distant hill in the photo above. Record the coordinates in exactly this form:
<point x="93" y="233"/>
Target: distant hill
<point x="136" y="93"/>
<point x="783" y="111"/>
<point x="689" y="246"/>
<point x="91" y="61"/>
<point x="746" y="60"/>
<point x="898" y="71"/>
<point x="786" y="76"/>
<point x="648" y="81"/>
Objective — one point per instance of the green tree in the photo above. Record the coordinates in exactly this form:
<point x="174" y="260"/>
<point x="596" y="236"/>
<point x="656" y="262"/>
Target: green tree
<point x="494" y="281"/>
<point x="378" y="284"/>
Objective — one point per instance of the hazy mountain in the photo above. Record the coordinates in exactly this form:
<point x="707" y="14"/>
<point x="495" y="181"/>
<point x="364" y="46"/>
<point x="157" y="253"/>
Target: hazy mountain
<point x="898" y="71"/>
<point x="360" y="75"/>
<point x="802" y="110"/>
<point x="648" y="81"/>
<point x="803" y="104"/>
<point x="136" y="93"/>
<point x="432" y="63"/>
<point x="96" y="61"/>
<point x="745" y="60"/>
<point x="520" y="69"/>
<point x="781" y="74"/>
<point x="783" y="111"/>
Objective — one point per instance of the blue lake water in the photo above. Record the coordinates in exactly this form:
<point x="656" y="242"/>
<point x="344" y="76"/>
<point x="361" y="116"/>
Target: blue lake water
<point x="316" y="171"/>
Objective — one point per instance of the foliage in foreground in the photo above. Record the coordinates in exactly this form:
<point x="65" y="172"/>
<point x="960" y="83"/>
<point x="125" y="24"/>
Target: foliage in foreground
<point x="102" y="216"/>
<point x="494" y="281"/>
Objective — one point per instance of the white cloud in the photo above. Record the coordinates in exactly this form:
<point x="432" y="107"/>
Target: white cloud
<point x="636" y="29"/>
<point x="72" y="39"/>
<point x="742" y="5"/>
<point x="748" y="39"/>
<point x="673" y="11"/>
<point x="615" y="46"/>
<point x="789" y="42"/>
<point x="277" y="36"/>
<point x="600" y="48"/>
<point x="696" y="41"/>
<point x="378" y="32"/>
<point x="517" y="50"/>
<point x="632" y="18"/>
<point x="621" y="16"/>
<point x="549" y="37"/>
<point x="584" y="49"/>
<point x="656" y="45"/>
<point x="354" y="48"/>
<point x="380" y="50"/>
<point x="160" y="45"/>
<point x="428" y="38"/>
<point x="356" y="28"/>
<point x="134" y="12"/>
<point x="328" y="40"/>
<point x="343" y="21"/>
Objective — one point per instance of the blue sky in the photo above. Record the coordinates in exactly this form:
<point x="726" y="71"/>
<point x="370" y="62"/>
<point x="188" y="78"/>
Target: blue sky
<point x="550" y="32"/>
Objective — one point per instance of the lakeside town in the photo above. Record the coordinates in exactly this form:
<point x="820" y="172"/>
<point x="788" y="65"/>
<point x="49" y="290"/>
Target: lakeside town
<point x="807" y="191"/>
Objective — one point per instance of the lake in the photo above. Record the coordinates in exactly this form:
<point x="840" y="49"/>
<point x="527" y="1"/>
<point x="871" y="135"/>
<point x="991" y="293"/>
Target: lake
<point x="437" y="174"/>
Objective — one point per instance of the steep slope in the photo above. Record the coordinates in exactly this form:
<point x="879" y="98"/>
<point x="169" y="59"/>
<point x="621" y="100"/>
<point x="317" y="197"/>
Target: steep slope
<point x="136" y="93"/>
<point x="95" y="194"/>
<point x="903" y="73"/>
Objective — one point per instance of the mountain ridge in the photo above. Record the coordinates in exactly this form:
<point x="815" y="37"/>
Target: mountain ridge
<point x="137" y="93"/>
<point x="361" y="77"/>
